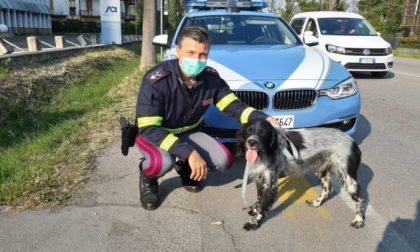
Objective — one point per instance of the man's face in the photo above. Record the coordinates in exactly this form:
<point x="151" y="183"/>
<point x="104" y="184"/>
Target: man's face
<point x="189" y="48"/>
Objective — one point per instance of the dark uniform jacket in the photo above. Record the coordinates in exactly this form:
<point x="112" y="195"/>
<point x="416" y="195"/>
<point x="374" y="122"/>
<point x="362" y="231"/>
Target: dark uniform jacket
<point x="166" y="107"/>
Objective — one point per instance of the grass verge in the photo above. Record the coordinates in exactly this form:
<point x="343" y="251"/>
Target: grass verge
<point x="406" y="55"/>
<point x="45" y="163"/>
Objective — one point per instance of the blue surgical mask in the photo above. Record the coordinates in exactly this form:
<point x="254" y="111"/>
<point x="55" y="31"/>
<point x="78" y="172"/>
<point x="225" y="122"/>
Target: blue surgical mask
<point x="193" y="67"/>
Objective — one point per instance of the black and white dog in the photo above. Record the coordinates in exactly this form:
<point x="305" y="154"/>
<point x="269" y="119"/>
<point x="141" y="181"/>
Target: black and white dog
<point x="325" y="151"/>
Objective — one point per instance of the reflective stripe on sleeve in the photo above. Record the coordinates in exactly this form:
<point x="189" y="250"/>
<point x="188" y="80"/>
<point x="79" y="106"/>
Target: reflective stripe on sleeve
<point x="245" y="115"/>
<point x="169" y="140"/>
<point x="226" y="101"/>
<point x="149" y="121"/>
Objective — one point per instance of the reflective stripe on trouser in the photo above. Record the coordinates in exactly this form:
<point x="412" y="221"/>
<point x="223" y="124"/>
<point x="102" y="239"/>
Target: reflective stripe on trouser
<point x="157" y="161"/>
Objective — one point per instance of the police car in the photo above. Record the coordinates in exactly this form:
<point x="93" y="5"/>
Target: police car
<point x="268" y="67"/>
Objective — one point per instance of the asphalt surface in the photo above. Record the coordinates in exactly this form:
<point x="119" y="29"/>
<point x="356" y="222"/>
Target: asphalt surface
<point x="106" y="215"/>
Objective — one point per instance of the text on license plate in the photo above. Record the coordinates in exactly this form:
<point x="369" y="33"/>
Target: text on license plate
<point x="367" y="60"/>
<point x="286" y="121"/>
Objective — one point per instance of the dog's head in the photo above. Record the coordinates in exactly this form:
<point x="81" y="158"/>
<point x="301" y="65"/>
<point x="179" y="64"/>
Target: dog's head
<point x="257" y="139"/>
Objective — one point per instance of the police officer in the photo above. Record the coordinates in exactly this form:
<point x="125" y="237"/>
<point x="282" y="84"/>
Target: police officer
<point x="172" y="99"/>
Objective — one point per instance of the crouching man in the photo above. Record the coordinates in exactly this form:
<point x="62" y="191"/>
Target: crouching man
<point x="172" y="99"/>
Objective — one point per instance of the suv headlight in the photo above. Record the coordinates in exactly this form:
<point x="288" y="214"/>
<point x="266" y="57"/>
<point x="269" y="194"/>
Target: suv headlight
<point x="344" y="89"/>
<point x="388" y="50"/>
<point x="335" y="49"/>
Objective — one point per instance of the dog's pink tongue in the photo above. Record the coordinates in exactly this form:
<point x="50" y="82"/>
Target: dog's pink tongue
<point x="251" y="155"/>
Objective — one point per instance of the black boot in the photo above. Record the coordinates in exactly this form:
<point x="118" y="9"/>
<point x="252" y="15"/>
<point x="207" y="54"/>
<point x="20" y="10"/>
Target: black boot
<point x="149" y="192"/>
<point x="184" y="171"/>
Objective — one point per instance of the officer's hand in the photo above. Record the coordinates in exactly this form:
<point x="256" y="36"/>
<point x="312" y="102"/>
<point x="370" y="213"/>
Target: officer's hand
<point x="198" y="166"/>
<point x="273" y="121"/>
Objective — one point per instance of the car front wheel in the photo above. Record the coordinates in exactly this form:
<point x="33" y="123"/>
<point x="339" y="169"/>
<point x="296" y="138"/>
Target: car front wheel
<point x="378" y="74"/>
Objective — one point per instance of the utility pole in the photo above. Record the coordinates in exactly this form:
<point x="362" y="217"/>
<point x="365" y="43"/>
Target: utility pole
<point x="161" y="26"/>
<point x="135" y="20"/>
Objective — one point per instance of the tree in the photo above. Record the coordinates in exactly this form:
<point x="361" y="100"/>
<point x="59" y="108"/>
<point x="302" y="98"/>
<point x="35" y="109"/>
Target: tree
<point x="272" y="5"/>
<point x="317" y="5"/>
<point x="148" y="54"/>
<point x="333" y="5"/>
<point x="384" y="15"/>
<point x="289" y="9"/>
<point x="175" y="11"/>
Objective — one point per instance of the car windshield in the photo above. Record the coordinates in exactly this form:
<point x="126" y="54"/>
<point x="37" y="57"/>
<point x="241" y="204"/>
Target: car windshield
<point x="244" y="29"/>
<point x="345" y="26"/>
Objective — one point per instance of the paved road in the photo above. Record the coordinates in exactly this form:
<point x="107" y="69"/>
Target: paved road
<point x="106" y="214"/>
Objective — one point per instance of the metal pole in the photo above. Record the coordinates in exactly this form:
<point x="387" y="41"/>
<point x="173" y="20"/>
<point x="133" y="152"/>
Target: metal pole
<point x="135" y="20"/>
<point x="80" y="19"/>
<point x="161" y="26"/>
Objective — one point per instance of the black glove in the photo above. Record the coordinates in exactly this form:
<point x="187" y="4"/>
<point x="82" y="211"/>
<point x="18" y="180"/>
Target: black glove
<point x="128" y="135"/>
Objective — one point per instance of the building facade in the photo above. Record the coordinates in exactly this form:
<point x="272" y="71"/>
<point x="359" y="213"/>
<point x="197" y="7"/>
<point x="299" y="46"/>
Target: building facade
<point x="26" y="16"/>
<point x="81" y="15"/>
<point x="411" y="17"/>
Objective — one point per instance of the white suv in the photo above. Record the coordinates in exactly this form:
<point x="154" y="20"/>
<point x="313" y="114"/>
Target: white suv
<point x="347" y="38"/>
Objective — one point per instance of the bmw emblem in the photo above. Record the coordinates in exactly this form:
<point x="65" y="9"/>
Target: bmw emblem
<point x="366" y="52"/>
<point x="269" y="85"/>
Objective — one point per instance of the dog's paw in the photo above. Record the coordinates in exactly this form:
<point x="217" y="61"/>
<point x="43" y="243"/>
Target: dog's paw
<point x="313" y="203"/>
<point x="358" y="222"/>
<point x="252" y="212"/>
<point x="251" y="225"/>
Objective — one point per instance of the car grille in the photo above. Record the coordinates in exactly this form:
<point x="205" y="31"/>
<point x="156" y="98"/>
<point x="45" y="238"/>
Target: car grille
<point x="255" y="99"/>
<point x="365" y="66"/>
<point x="294" y="99"/>
<point x="359" y="51"/>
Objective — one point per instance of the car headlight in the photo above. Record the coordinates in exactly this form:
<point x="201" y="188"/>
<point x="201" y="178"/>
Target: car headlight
<point x="388" y="50"/>
<point x="335" y="49"/>
<point x="344" y="89"/>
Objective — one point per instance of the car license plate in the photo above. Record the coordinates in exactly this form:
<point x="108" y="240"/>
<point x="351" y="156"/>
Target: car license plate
<point x="286" y="121"/>
<point x="367" y="60"/>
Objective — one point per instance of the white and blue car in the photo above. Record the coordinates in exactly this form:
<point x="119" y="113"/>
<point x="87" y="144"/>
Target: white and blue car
<point x="269" y="68"/>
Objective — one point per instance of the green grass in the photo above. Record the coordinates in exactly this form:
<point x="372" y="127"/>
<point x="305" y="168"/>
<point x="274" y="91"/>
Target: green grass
<point x="42" y="163"/>
<point x="406" y="55"/>
<point x="2" y="70"/>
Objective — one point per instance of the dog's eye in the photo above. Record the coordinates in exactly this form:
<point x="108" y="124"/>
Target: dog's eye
<point x="249" y="130"/>
<point x="261" y="132"/>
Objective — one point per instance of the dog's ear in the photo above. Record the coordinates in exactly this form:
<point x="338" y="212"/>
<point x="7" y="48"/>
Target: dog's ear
<point x="274" y="142"/>
<point x="240" y="144"/>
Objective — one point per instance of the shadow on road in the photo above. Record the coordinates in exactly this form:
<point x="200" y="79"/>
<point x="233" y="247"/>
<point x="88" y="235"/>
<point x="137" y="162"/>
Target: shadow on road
<point x="363" y="130"/>
<point x="402" y="230"/>
<point x="367" y="75"/>
<point x="214" y="178"/>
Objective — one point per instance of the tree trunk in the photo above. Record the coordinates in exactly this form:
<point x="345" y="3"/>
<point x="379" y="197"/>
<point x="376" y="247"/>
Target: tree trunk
<point x="148" y="55"/>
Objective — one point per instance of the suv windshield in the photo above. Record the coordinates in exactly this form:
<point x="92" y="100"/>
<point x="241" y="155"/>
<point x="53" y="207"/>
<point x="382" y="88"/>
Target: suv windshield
<point x="244" y="29"/>
<point x="345" y="26"/>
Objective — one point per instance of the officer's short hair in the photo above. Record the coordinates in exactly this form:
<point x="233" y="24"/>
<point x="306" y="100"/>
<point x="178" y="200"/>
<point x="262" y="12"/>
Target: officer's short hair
<point x="195" y="32"/>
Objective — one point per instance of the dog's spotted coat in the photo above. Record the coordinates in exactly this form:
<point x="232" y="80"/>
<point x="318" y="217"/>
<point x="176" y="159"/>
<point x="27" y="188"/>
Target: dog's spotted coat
<point x="327" y="152"/>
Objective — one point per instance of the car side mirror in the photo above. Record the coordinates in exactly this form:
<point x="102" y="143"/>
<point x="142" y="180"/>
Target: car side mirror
<point x="161" y="40"/>
<point x="310" y="40"/>
<point x="308" y="33"/>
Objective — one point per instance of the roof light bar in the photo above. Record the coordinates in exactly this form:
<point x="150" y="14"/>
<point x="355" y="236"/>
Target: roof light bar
<point x="221" y="4"/>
